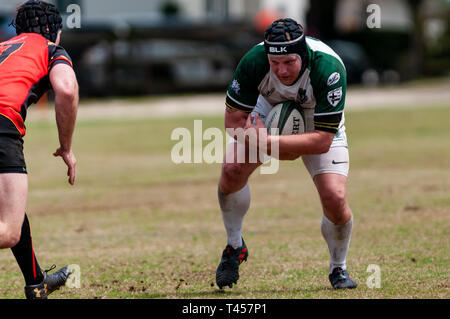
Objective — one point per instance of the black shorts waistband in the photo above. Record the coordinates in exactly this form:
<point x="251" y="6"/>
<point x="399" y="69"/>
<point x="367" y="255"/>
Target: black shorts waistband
<point x="15" y="169"/>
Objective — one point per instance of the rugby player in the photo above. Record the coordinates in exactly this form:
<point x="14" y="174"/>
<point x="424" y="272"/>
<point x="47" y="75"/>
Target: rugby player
<point x="288" y="66"/>
<point x="30" y="64"/>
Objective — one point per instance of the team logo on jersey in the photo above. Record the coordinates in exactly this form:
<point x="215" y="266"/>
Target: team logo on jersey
<point x="269" y="92"/>
<point x="333" y="78"/>
<point x="302" y="96"/>
<point x="335" y="96"/>
<point x="235" y="86"/>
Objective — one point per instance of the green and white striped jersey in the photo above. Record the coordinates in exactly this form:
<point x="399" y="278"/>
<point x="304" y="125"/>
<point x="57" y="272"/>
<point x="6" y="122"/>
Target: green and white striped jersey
<point x="320" y="90"/>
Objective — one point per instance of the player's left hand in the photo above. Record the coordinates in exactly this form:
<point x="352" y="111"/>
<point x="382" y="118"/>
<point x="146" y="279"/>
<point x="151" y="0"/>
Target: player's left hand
<point x="70" y="160"/>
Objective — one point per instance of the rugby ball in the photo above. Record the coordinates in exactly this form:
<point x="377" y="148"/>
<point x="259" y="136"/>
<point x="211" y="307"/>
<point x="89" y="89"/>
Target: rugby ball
<point x="288" y="117"/>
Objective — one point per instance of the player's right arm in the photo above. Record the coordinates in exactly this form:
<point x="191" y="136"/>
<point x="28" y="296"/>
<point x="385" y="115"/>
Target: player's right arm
<point x="65" y="86"/>
<point x="242" y="93"/>
<point x="234" y="118"/>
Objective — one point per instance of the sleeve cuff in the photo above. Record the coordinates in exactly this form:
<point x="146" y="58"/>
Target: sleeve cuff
<point x="327" y="122"/>
<point x="231" y="103"/>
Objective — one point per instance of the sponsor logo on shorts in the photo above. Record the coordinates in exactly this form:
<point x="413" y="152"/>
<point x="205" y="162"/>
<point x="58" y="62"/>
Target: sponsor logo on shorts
<point x="334" y="162"/>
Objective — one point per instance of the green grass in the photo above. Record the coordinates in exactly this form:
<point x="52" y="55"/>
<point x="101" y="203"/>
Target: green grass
<point x="140" y="226"/>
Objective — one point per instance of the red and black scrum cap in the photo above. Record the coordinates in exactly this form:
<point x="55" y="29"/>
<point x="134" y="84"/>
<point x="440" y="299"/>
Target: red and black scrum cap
<point x="36" y="16"/>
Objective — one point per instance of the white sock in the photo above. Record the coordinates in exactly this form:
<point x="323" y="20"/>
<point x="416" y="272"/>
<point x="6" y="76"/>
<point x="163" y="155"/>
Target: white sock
<point x="338" y="241"/>
<point x="234" y="206"/>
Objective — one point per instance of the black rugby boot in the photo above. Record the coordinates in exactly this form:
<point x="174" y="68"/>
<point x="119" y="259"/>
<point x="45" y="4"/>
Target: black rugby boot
<point x="50" y="283"/>
<point x="228" y="270"/>
<point x="340" y="279"/>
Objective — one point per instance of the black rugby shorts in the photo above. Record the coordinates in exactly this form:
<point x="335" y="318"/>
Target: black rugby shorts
<point x="11" y="154"/>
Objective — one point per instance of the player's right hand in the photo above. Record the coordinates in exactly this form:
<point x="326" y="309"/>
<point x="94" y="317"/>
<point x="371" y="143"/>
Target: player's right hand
<point x="255" y="132"/>
<point x="70" y="160"/>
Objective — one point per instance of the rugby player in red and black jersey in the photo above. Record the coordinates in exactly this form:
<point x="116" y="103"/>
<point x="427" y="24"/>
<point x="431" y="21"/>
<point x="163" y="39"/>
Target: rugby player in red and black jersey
<point x="30" y="64"/>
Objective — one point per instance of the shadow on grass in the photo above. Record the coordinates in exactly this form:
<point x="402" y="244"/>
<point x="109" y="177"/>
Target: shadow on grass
<point x="240" y="293"/>
<point x="217" y="293"/>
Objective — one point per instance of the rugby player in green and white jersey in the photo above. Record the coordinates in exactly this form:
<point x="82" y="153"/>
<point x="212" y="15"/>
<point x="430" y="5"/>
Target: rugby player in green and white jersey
<point x="288" y="66"/>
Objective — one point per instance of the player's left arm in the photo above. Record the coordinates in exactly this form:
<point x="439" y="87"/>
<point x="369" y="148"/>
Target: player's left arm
<point x="329" y="83"/>
<point x="290" y="147"/>
<point x="65" y="85"/>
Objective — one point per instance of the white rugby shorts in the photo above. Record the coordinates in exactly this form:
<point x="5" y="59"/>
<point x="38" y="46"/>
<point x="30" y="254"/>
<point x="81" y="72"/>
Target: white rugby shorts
<point x="335" y="161"/>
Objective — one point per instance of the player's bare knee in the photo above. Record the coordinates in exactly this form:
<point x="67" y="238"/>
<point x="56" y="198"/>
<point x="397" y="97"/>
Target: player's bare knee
<point x="334" y="200"/>
<point x="231" y="182"/>
<point x="9" y="239"/>
<point x="233" y="173"/>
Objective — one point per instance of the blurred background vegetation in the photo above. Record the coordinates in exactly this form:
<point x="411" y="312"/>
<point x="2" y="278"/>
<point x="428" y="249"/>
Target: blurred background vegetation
<point x="166" y="46"/>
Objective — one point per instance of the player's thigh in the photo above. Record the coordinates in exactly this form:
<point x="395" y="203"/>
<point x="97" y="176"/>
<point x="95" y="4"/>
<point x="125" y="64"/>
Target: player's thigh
<point x="332" y="190"/>
<point x="335" y="161"/>
<point x="13" y="200"/>
<point x="331" y="187"/>
<point x="13" y="181"/>
<point x="329" y="172"/>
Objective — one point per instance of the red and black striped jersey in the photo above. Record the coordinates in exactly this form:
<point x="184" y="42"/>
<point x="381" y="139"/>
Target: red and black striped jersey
<point x="25" y="64"/>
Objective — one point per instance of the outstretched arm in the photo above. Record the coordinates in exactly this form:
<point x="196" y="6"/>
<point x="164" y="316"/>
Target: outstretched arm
<point x="294" y="146"/>
<point x="65" y="85"/>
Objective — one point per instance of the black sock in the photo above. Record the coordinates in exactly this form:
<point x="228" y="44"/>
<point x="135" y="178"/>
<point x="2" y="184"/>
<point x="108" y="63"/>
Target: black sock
<point x="25" y="257"/>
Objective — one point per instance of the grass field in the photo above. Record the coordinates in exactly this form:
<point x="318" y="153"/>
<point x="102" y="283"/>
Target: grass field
<point x="140" y="226"/>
